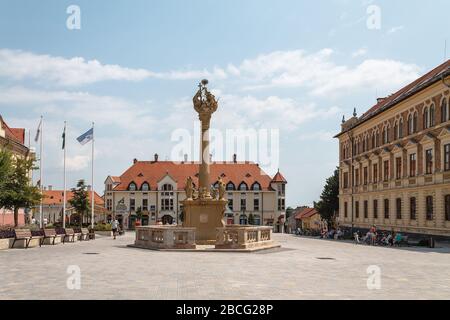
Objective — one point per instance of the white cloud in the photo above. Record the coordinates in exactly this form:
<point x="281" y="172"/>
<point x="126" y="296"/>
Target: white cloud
<point x="360" y="52"/>
<point x="77" y="163"/>
<point x="321" y="75"/>
<point x="77" y="71"/>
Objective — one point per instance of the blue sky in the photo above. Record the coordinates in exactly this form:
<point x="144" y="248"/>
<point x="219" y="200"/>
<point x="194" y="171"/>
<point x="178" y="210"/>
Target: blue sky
<point x="291" y="65"/>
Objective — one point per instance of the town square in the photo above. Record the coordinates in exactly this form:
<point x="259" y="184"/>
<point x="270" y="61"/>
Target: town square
<point x="181" y="151"/>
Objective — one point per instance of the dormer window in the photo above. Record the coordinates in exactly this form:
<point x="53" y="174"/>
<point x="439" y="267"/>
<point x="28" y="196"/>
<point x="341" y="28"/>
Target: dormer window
<point x="256" y="186"/>
<point x="230" y="186"/>
<point x="145" y="187"/>
<point x="243" y="186"/>
<point x="132" y="187"/>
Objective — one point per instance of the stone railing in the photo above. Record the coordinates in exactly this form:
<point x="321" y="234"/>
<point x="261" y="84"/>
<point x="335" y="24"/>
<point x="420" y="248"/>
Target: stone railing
<point x="165" y="237"/>
<point x="244" y="237"/>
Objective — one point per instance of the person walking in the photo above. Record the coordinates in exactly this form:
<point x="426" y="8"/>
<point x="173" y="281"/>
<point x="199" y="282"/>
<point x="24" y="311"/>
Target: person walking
<point x="114" y="227"/>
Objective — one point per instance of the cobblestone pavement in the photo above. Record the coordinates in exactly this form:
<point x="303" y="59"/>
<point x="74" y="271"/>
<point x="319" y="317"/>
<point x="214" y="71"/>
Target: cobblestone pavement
<point x="303" y="268"/>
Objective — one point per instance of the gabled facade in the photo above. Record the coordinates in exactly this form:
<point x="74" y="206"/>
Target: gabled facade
<point x="157" y="187"/>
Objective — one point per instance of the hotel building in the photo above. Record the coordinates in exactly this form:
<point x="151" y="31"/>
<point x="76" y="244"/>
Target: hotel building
<point x="395" y="160"/>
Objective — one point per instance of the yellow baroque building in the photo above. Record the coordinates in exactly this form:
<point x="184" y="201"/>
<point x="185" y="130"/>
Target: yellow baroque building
<point x="395" y="160"/>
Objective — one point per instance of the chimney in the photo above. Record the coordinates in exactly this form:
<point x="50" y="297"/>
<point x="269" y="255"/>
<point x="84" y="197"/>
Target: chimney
<point x="50" y="187"/>
<point x="379" y="100"/>
<point x="156" y="157"/>
<point x="135" y="161"/>
<point x="235" y="158"/>
<point x="185" y="157"/>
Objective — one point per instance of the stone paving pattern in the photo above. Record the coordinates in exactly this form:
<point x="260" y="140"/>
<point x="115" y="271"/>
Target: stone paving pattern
<point x="293" y="272"/>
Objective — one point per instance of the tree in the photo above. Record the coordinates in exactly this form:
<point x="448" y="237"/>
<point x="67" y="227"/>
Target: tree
<point x="289" y="212"/>
<point x="251" y="219"/>
<point x="16" y="190"/>
<point x="329" y="199"/>
<point x="5" y="167"/>
<point x="80" y="200"/>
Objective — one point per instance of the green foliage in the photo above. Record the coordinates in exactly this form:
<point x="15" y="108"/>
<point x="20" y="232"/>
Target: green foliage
<point x="139" y="213"/>
<point x="251" y="219"/>
<point x="102" y="227"/>
<point x="289" y="212"/>
<point x="16" y="190"/>
<point x="329" y="200"/>
<point x="80" y="200"/>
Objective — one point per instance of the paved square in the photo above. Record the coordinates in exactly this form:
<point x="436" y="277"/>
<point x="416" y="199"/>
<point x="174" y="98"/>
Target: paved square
<point x="303" y="269"/>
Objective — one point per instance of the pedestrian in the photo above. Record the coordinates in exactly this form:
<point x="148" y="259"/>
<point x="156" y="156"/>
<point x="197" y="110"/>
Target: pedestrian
<point x="114" y="227"/>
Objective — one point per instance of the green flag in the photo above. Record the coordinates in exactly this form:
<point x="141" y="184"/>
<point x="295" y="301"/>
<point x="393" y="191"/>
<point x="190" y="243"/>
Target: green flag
<point x="64" y="137"/>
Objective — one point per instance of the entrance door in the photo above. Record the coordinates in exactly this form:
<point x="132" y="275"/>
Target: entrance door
<point x="145" y="220"/>
<point x="167" y="219"/>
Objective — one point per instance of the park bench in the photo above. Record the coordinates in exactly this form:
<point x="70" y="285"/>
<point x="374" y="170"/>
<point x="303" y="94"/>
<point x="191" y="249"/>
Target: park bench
<point x="24" y="234"/>
<point x="85" y="234"/>
<point x="49" y="234"/>
<point x="69" y="233"/>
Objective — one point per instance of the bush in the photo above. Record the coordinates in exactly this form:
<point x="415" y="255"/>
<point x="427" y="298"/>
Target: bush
<point x="102" y="227"/>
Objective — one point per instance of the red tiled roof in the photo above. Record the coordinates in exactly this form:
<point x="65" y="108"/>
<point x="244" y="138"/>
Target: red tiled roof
<point x="279" y="178"/>
<point x="56" y="197"/>
<point x="115" y="179"/>
<point x="152" y="172"/>
<point x="306" y="213"/>
<point x="15" y="134"/>
<point x="405" y="92"/>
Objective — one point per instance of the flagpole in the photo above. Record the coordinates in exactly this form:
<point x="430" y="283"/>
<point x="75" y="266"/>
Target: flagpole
<point x="41" y="148"/>
<point x="92" y="179"/>
<point x="65" y="187"/>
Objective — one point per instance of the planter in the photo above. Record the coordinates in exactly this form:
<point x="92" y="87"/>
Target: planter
<point x="58" y="240"/>
<point x="6" y="243"/>
<point x="104" y="233"/>
<point x="21" y="244"/>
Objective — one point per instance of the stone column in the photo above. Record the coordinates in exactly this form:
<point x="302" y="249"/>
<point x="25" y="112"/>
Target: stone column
<point x="204" y="182"/>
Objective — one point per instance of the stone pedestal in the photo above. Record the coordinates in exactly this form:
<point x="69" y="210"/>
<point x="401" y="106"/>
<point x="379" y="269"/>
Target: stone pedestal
<point x="165" y="238"/>
<point x="245" y="238"/>
<point x="205" y="215"/>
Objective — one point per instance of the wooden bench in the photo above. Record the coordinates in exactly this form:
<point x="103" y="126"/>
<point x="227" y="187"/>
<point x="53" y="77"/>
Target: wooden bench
<point x="49" y="234"/>
<point x="24" y="234"/>
<point x="69" y="233"/>
<point x="85" y="234"/>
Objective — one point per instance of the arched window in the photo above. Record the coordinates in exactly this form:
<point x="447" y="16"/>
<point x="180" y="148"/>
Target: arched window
<point x="412" y="123"/>
<point x="432" y="116"/>
<point x="386" y="135"/>
<point x="426" y="118"/>
<point x="256" y="186"/>
<point x="145" y="186"/>
<point x="243" y="186"/>
<point x="444" y="110"/>
<point x="132" y="186"/>
<point x="230" y="186"/>
<point x="373" y="141"/>
<point x="396" y="136"/>
<point x="400" y="128"/>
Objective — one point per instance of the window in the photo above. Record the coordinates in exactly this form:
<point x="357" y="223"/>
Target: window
<point x="145" y="204"/>
<point x="386" y="135"/>
<point x="386" y="170"/>
<point x="243" y="204"/>
<point x="109" y="204"/>
<point x="398" y="168"/>
<point x="447" y="207"/>
<point x="243" y="186"/>
<point x="345" y="180"/>
<point x="230" y="201"/>
<point x="399" y="208"/>
<point x="412" y="123"/>
<point x="167" y="204"/>
<point x="230" y="186"/>
<point x="366" y="176"/>
<point x="429" y="161"/>
<point x="432" y="116"/>
<point x="412" y="165"/>
<point x="412" y="208"/>
<point x="345" y="210"/>
<point x="375" y="173"/>
<point x="132" y="204"/>
<point x="256" y="204"/>
<point x="167" y="197"/>
<point x="426" y="118"/>
<point x="366" y="209"/>
<point x="356" y="177"/>
<point x="400" y="129"/>
<point x="447" y="157"/>
<point x="429" y="207"/>
<point x="375" y="209"/>
<point x="444" y="111"/>
<point x="132" y="187"/>
<point x="256" y="186"/>
<point x="357" y="209"/>
<point x="373" y="141"/>
<point x="145" y="187"/>
<point x="281" y="202"/>
<point x="386" y="208"/>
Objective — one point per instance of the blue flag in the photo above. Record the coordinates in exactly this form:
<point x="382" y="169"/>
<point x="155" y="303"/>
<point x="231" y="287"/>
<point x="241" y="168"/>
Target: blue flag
<point x="86" y="137"/>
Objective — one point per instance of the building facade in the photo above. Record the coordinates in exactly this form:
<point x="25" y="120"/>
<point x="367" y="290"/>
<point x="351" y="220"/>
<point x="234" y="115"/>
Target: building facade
<point x="13" y="140"/>
<point x="395" y="160"/>
<point x="155" y="188"/>
<point x="53" y="203"/>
